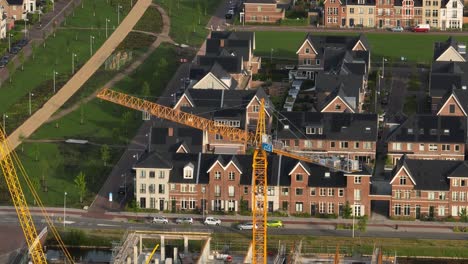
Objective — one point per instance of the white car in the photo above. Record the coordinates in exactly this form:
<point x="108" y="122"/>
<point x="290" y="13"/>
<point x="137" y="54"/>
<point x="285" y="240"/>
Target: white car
<point x="184" y="220"/>
<point x="159" y="220"/>
<point x="246" y="226"/>
<point x="212" y="221"/>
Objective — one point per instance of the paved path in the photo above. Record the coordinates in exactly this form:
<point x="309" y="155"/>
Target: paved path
<point x="83" y="74"/>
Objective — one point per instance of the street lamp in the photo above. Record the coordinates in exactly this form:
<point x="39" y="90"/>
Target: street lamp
<point x="353" y="217"/>
<point x="149" y="138"/>
<point x="54" y="74"/>
<point x="73" y="62"/>
<point x="30" y="95"/>
<point x="271" y="55"/>
<point x="136" y="156"/>
<point x="107" y="20"/>
<point x="91" y="38"/>
<point x="118" y="14"/>
<point x="5" y="116"/>
<point x="25" y="28"/>
<point x="383" y="66"/>
<point x="203" y="202"/>
<point x="9" y="41"/>
<point x="64" y="208"/>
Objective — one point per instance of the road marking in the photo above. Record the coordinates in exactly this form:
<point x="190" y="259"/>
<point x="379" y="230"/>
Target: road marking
<point x="106" y="225"/>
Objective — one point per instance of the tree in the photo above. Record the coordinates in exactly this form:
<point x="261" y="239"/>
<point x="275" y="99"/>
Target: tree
<point x="347" y="211"/>
<point x="362" y="223"/>
<point x="80" y="182"/>
<point x="145" y="90"/>
<point x="11" y="69"/>
<point x="463" y="214"/>
<point x="21" y="59"/>
<point x="105" y="154"/>
<point x="199" y="13"/>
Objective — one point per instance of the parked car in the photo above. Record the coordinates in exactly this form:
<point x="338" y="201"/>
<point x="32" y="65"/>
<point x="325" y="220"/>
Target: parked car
<point x="246" y="226"/>
<point x="22" y="43"/>
<point x="212" y="221"/>
<point x="275" y="223"/>
<point x="15" y="50"/>
<point x="159" y="220"/>
<point x="229" y="14"/>
<point x="3" y="64"/>
<point x="122" y="190"/>
<point x="184" y="220"/>
<point x="422" y="28"/>
<point x="397" y="29"/>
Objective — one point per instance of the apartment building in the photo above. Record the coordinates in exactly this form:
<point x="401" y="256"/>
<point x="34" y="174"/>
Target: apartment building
<point x="428" y="137"/>
<point x="213" y="182"/>
<point x="360" y="13"/>
<point x="235" y="108"/>
<point x="386" y="15"/>
<point x="451" y="14"/>
<point x="339" y="135"/>
<point x="334" y="14"/>
<point x="262" y="11"/>
<point x="423" y="188"/>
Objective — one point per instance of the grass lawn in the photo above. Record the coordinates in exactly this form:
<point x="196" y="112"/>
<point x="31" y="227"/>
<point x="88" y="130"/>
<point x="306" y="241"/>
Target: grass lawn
<point x="189" y="19"/>
<point x="151" y="21"/>
<point x="414" y="47"/>
<point x="103" y="123"/>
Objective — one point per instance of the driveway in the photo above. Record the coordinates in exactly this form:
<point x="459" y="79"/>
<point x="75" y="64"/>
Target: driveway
<point x="83" y="74"/>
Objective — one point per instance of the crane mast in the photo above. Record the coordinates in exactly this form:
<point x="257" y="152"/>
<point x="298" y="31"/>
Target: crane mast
<point x="19" y="201"/>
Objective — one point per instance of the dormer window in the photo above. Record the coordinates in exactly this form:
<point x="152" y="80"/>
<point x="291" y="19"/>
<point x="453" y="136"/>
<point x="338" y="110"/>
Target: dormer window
<point x="446" y="132"/>
<point x="368" y="130"/>
<point x="421" y="131"/>
<point x="410" y="131"/>
<point x="337" y="107"/>
<point x="286" y="126"/>
<point x="188" y="171"/>
<point x="361" y="2"/>
<point x="312" y="130"/>
<point x="433" y="132"/>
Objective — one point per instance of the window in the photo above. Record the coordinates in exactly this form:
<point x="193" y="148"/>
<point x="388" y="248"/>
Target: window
<point x="331" y="192"/>
<point x="408" y="194"/>
<point x="307" y="50"/>
<point x="142" y="174"/>
<point x="367" y="145"/>
<point x="356" y="145"/>
<point x="435" y="13"/>
<point x="403" y="180"/>
<point x="418" y="193"/>
<point x="322" y="191"/>
<point x="445" y="147"/>
<point x="462" y="196"/>
<point x="312" y="191"/>
<point x="285" y="191"/>
<point x="421" y="131"/>
<point x="441" y="210"/>
<point x="446" y="132"/>
<point x="188" y="171"/>
<point x="421" y="147"/>
<point x="299" y="191"/>
<point x="299" y="177"/>
<point x="357" y="194"/>
<point x="340" y="192"/>
<point x="397" y="194"/>
<point x="307" y="144"/>
<point x="357" y="180"/>
<point x="191" y="188"/>
<point x="319" y="143"/>
<point x="454" y="196"/>
<point x="344" y="144"/>
<point x="317" y="62"/>
<point x="271" y="191"/>
<point x="231" y="175"/>
<point x="162" y="174"/>
<point x="371" y="11"/>
<point x="454" y="4"/>
<point x="455" y="182"/>
<point x="457" y="148"/>
<point x="432" y="147"/>
<point x="435" y="3"/>
<point x="259" y="8"/>
<point x="231" y="191"/>
<point x="397" y="209"/>
<point x="361" y="10"/>
<point x="441" y="196"/>
<point x="410" y="131"/>
<point x="351" y="10"/>
<point x="161" y="189"/>
<point x="321" y="207"/>
<point x="217" y="190"/>
<point x="266" y="18"/>
<point x="299" y="206"/>
<point x="332" y="144"/>
<point x="431" y="195"/>
<point x="407" y="210"/>
<point x="409" y="146"/>
<point x="331" y="208"/>
<point x="152" y="188"/>
<point x="452" y="106"/>
<point x="285" y="206"/>
<point x="218" y="137"/>
<point x="255" y="108"/>
<point x="396" y="146"/>
<point x="462" y="183"/>
<point x="217" y="175"/>
<point x="337" y="107"/>
<point x="306" y="61"/>
<point x="172" y="186"/>
<point x="143" y="188"/>
<point x="183" y="188"/>
<point x="310" y="130"/>
<point x="152" y="175"/>
<point x="246" y="189"/>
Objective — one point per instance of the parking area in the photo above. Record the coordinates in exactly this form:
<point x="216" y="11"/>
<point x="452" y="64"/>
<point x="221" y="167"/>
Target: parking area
<point x="14" y="48"/>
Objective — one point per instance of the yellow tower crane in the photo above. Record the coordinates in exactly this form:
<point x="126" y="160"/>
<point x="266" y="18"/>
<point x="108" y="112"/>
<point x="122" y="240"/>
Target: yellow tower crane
<point x="259" y="140"/>
<point x="9" y="163"/>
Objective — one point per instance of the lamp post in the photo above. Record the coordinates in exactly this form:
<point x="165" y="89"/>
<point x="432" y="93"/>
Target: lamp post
<point x="30" y="95"/>
<point x="64" y="208"/>
<point x="107" y="20"/>
<point x="271" y="55"/>
<point x="25" y="28"/>
<point x="5" y="116"/>
<point x="118" y="14"/>
<point x="149" y="138"/>
<point x="383" y="66"/>
<point x="9" y="42"/>
<point x="73" y="62"/>
<point x="353" y="218"/>
<point x="203" y="202"/>
<point x="91" y="38"/>
<point x="54" y="74"/>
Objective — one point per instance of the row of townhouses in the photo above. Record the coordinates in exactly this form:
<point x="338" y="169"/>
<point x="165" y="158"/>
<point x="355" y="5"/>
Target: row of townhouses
<point x="12" y="10"/>
<point x="440" y="14"/>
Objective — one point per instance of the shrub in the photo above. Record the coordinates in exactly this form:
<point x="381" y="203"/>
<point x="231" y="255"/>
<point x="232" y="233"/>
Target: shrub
<point x="278" y="213"/>
<point x="328" y="216"/>
<point x="303" y="214"/>
<point x="344" y="226"/>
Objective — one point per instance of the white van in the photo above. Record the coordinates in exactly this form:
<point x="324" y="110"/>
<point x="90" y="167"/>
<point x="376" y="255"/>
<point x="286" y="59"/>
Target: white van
<point x="422" y="28"/>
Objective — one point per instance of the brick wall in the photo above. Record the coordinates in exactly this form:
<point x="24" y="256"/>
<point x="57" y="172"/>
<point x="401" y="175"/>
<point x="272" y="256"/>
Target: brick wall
<point x="263" y="13"/>
<point x="419" y="150"/>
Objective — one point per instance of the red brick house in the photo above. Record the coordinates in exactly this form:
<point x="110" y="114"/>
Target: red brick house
<point x="334" y="14"/>
<point x="18" y="9"/>
<point x="454" y="103"/>
<point x="262" y="11"/>
<point x="428" y="137"/>
<point x="423" y="188"/>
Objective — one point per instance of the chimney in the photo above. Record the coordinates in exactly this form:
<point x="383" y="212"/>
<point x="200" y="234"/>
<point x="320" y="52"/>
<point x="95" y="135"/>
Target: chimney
<point x="170" y="132"/>
<point x="221" y="43"/>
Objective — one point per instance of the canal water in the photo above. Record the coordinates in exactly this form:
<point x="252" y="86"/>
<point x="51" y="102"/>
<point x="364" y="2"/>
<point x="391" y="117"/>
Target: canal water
<point x="81" y="255"/>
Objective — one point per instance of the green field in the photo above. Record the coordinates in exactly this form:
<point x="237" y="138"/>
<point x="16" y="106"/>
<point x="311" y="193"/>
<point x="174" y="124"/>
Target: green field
<point x="414" y="47"/>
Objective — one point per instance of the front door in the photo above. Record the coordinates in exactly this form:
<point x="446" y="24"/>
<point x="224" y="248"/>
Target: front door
<point x="161" y="204"/>
<point x="431" y="211"/>
<point x="313" y="209"/>
<point x="142" y="202"/>
<point x="343" y="22"/>
<point x="340" y="209"/>
<point x="351" y="22"/>
<point x="418" y="211"/>
<point x="270" y="206"/>
<point x="380" y="23"/>
<point x="398" y="23"/>
<point x="310" y="75"/>
<point x="443" y="24"/>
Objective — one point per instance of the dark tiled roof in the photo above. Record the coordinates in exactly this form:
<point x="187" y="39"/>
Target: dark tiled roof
<point x="446" y="76"/>
<point x="429" y="174"/>
<point x="347" y="86"/>
<point x="148" y="161"/>
<point x="418" y="3"/>
<point x="429" y="128"/>
<point x="356" y="2"/>
<point x="231" y="64"/>
<point x="329" y="42"/>
<point x="230" y="98"/>
<point x="260" y="1"/>
<point x="460" y="171"/>
<point x="163" y="143"/>
<point x="460" y="94"/>
<point x="441" y="47"/>
<point x="15" y="2"/>
<point x="336" y="126"/>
